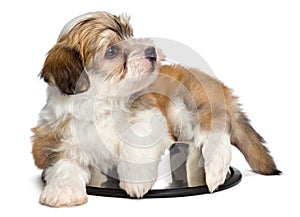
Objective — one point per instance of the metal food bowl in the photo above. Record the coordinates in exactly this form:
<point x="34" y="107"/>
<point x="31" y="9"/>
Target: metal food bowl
<point x="176" y="183"/>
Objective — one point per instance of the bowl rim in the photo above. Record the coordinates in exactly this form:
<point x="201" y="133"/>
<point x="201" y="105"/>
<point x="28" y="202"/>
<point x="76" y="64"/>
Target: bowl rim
<point x="234" y="179"/>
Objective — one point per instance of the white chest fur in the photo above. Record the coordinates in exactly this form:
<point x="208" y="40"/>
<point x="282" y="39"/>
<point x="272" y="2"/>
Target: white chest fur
<point x="104" y="132"/>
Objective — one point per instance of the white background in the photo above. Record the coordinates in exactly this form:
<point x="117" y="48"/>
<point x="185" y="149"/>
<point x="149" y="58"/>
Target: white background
<point x="253" y="46"/>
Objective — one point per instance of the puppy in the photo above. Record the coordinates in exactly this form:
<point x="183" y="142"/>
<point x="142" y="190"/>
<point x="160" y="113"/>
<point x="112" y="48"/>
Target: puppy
<point x="111" y="103"/>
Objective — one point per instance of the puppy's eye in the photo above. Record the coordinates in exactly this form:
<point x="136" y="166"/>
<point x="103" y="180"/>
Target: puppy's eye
<point x="112" y="52"/>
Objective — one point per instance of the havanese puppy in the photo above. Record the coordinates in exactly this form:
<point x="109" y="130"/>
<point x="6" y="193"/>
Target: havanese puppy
<point x="112" y="103"/>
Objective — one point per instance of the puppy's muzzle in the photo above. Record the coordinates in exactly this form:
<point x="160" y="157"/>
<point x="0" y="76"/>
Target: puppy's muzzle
<point x="150" y="54"/>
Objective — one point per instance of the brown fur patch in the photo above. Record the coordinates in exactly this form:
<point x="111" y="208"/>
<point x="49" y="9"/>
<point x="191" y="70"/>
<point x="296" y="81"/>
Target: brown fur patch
<point x="46" y="142"/>
<point x="86" y="35"/>
<point x="216" y="108"/>
<point x="202" y="94"/>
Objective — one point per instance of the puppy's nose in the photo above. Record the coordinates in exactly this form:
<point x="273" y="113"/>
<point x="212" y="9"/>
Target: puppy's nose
<point x="150" y="54"/>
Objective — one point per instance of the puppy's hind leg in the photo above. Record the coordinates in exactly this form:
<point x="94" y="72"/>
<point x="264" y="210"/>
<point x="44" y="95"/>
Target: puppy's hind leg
<point x="216" y="152"/>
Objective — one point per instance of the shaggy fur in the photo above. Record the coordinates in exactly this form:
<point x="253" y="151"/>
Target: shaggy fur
<point x="112" y="104"/>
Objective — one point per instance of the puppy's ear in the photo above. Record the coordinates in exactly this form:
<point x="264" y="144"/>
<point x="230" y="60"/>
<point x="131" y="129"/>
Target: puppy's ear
<point x="64" y="68"/>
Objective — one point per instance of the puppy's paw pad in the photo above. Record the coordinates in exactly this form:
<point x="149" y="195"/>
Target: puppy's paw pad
<point x="136" y="189"/>
<point x="60" y="196"/>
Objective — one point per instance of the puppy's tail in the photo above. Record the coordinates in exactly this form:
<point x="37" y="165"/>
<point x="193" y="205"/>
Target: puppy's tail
<point x="250" y="143"/>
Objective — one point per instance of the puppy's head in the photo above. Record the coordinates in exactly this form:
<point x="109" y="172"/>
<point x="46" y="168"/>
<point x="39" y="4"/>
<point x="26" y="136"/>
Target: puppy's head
<point x="98" y="49"/>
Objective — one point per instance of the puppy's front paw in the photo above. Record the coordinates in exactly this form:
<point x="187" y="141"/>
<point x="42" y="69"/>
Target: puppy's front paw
<point x="60" y="196"/>
<point x="136" y="189"/>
